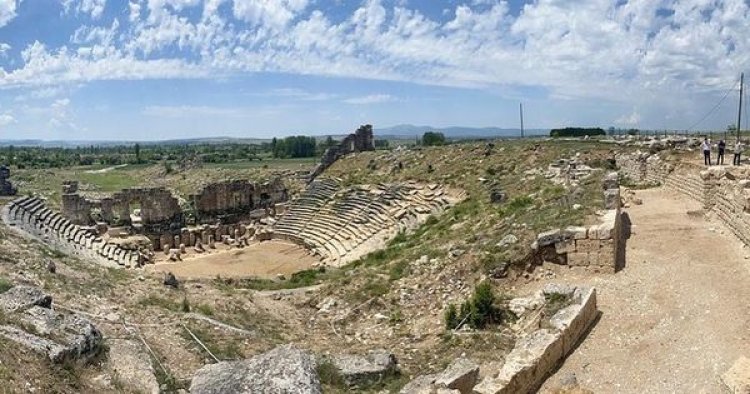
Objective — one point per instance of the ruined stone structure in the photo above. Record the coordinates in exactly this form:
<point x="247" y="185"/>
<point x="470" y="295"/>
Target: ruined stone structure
<point x="30" y="215"/>
<point x="540" y="347"/>
<point x="157" y="209"/>
<point x="340" y="225"/>
<point x="31" y="322"/>
<point x="362" y="140"/>
<point x="599" y="247"/>
<point x="722" y="190"/>
<point x="231" y="201"/>
<point x="6" y="187"/>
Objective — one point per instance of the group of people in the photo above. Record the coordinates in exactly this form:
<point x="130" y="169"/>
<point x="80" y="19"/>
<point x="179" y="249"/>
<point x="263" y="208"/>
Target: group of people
<point x="706" y="148"/>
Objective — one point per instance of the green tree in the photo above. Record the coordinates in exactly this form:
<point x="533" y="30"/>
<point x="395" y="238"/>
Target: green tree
<point x="432" y="138"/>
<point x="138" y="153"/>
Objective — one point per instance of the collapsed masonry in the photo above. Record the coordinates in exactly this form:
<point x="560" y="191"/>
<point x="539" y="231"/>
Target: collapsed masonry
<point x="6" y="187"/>
<point x="360" y="141"/>
<point x="29" y="320"/>
<point x="218" y="209"/>
<point x="723" y="191"/>
<point x="598" y="247"/>
<point x="542" y="344"/>
<point x="342" y="224"/>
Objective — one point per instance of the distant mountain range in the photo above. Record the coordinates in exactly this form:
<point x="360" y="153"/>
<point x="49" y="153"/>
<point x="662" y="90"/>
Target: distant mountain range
<point x="404" y="131"/>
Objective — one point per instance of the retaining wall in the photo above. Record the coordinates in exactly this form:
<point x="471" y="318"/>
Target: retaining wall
<point x="722" y="190"/>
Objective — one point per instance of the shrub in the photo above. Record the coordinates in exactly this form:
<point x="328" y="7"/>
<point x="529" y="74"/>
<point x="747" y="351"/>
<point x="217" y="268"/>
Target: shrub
<point x="479" y="311"/>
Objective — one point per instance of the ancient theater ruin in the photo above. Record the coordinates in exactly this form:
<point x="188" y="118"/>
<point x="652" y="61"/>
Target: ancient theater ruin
<point x="235" y="227"/>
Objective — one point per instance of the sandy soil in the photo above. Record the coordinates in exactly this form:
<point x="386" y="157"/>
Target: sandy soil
<point x="677" y="317"/>
<point x="264" y="260"/>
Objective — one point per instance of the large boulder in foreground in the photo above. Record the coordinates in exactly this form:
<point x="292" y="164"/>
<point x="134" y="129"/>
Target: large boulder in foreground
<point x="283" y="370"/>
<point x="29" y="320"/>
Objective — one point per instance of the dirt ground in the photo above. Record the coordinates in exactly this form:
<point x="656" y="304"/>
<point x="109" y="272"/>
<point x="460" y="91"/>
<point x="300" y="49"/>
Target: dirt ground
<point x="677" y="316"/>
<point x="263" y="260"/>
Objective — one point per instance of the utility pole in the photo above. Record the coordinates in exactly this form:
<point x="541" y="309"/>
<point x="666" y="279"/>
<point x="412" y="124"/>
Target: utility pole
<point x="739" y="112"/>
<point x="521" y="107"/>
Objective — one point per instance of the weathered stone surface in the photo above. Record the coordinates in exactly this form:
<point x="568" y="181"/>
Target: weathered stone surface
<point x="358" y="369"/>
<point x="60" y="336"/>
<point x="536" y="355"/>
<point x="737" y="378"/>
<point x="549" y="237"/>
<point x="460" y="375"/>
<point x="22" y="298"/>
<point x="420" y="385"/>
<point x="285" y="369"/>
<point x="131" y="366"/>
<point x="612" y="198"/>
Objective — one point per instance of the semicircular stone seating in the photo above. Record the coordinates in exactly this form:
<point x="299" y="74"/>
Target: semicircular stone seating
<point x="342" y="224"/>
<point x="31" y="216"/>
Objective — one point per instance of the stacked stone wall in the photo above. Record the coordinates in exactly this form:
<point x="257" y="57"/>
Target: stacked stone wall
<point x="360" y="141"/>
<point x="31" y="216"/>
<point x="723" y="191"/>
<point x="232" y="200"/>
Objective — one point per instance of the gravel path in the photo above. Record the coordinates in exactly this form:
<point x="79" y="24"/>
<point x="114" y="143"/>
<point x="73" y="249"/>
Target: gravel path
<point x="677" y="316"/>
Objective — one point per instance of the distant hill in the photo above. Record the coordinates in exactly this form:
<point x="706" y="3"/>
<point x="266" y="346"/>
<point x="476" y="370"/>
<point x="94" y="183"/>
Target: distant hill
<point x="411" y="131"/>
<point x="404" y="131"/>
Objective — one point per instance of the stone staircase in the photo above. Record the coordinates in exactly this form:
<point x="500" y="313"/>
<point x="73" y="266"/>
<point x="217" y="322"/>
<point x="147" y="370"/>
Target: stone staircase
<point x="30" y="216"/>
<point x="340" y="225"/>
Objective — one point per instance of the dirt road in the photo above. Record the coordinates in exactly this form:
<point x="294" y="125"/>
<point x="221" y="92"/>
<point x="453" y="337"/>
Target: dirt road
<point x="678" y="315"/>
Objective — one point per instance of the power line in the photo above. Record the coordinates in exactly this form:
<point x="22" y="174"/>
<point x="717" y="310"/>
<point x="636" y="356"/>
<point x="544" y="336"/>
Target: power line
<point x="715" y="107"/>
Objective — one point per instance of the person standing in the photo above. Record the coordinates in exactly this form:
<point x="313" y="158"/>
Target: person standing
<point x="706" y="148"/>
<point x="720" y="157"/>
<point x="737" y="153"/>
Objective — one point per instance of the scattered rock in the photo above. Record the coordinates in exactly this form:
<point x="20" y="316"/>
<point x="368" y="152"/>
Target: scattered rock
<point x="509" y="239"/>
<point x="358" y="370"/>
<point x="460" y="375"/>
<point x="170" y="280"/>
<point x="22" y="298"/>
<point x="419" y="385"/>
<point x="285" y="369"/>
<point x="131" y="366"/>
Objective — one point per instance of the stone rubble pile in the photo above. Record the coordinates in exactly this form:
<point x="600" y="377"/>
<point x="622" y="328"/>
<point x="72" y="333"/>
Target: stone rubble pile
<point x="60" y="336"/>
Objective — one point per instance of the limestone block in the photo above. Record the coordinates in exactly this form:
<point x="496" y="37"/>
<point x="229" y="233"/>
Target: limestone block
<point x="612" y="198"/>
<point x="587" y="246"/>
<point x="737" y="378"/>
<point x="533" y="357"/>
<point x="576" y="232"/>
<point x="578" y="259"/>
<point x="460" y="375"/>
<point x="574" y="320"/>
<point x="549" y="237"/>
<point x="565" y="246"/>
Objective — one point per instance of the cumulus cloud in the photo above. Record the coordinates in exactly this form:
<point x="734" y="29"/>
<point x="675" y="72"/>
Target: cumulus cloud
<point x="6" y="119"/>
<point x="370" y="99"/>
<point x="625" y="51"/>
<point x="7" y="11"/>
<point x="632" y="119"/>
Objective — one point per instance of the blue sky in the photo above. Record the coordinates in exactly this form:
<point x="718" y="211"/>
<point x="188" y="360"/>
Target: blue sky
<point x="158" y="69"/>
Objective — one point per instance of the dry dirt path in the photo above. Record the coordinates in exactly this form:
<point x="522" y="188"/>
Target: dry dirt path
<point x="677" y="316"/>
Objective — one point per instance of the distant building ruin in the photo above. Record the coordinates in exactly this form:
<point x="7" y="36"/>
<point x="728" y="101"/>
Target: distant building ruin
<point x="6" y="187"/>
<point x="362" y="140"/>
<point x="162" y="217"/>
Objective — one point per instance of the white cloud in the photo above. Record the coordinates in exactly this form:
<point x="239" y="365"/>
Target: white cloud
<point x="624" y="52"/>
<point x="275" y="13"/>
<point x="632" y="119"/>
<point x="370" y="99"/>
<point x="6" y="119"/>
<point x="93" y="8"/>
<point x="7" y="11"/>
